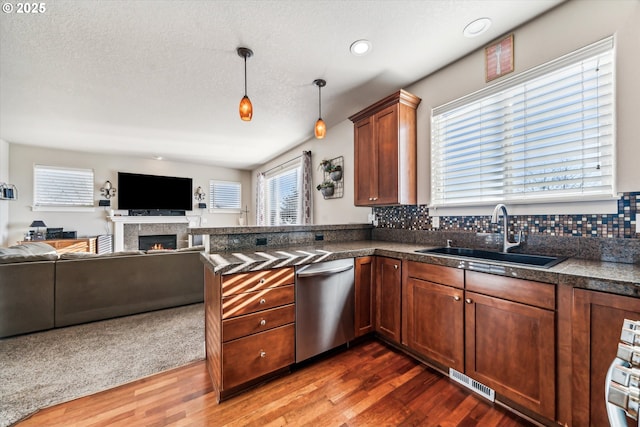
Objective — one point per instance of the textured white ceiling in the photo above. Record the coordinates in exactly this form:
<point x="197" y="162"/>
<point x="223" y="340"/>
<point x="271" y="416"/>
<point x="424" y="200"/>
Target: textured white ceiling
<point x="162" y="77"/>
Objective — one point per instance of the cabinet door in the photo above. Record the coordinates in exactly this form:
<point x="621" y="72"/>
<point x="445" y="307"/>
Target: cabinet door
<point x="386" y="138"/>
<point x="364" y="295"/>
<point x="388" y="298"/>
<point x="596" y="322"/>
<point x="434" y="324"/>
<point x="366" y="163"/>
<point x="510" y="347"/>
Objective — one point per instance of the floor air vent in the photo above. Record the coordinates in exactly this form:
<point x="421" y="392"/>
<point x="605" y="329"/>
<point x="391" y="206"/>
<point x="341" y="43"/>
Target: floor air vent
<point x="472" y="384"/>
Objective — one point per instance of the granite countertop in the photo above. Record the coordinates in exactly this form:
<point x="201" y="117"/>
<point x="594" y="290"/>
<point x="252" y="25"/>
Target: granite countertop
<point x="623" y="279"/>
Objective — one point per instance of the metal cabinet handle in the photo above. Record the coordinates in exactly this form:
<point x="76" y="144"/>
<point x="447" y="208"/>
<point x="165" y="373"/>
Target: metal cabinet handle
<point x="263" y="322"/>
<point x="263" y="353"/>
<point x="468" y="300"/>
<point x="395" y="266"/>
<point x="456" y="298"/>
<point x="263" y="301"/>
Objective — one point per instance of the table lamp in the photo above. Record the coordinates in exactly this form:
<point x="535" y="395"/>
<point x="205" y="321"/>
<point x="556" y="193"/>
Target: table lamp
<point x="37" y="224"/>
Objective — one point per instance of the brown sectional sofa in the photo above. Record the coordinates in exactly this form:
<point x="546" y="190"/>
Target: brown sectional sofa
<point x="44" y="291"/>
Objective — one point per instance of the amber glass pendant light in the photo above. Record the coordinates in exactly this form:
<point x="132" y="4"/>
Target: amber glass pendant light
<point x="320" y="128"/>
<point x="245" y="109"/>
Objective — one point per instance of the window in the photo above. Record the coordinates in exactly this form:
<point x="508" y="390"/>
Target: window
<point x="282" y="196"/>
<point x="225" y="195"/>
<point x="544" y="135"/>
<point x="66" y="188"/>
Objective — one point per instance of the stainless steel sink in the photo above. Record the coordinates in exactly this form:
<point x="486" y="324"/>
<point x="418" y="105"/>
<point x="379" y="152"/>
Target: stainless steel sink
<point x="523" y="259"/>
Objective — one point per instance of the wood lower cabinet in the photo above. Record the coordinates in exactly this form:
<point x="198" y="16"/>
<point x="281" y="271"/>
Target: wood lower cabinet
<point x="385" y="151"/>
<point x="364" y="295"/>
<point x="387" y="294"/>
<point x="434" y="312"/>
<point x="253" y="356"/>
<point x="249" y="326"/>
<point x="498" y="330"/>
<point x="510" y="339"/>
<point x="596" y="325"/>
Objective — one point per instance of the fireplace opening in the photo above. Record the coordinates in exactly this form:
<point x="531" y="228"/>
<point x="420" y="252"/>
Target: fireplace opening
<point x="158" y="242"/>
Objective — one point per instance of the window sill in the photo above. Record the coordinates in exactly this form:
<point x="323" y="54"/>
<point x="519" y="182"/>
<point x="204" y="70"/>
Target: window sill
<point x="583" y="207"/>
<point x="62" y="209"/>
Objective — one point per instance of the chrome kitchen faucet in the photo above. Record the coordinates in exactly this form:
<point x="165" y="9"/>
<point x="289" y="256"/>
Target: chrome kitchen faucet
<point x="506" y="244"/>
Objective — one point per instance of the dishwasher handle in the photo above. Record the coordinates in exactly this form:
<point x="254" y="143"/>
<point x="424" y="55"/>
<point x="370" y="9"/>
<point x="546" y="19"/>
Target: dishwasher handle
<point x="327" y="272"/>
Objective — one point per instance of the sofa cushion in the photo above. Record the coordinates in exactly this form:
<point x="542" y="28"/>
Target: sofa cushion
<point x="100" y="287"/>
<point x="15" y="258"/>
<point x="31" y="248"/>
<point x="26" y="296"/>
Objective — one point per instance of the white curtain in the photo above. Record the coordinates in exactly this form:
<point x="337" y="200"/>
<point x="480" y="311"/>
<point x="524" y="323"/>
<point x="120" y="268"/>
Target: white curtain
<point x="260" y="202"/>
<point x="306" y="216"/>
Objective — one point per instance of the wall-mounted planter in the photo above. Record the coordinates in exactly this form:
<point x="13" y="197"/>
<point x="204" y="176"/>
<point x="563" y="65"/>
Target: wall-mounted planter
<point x="336" y="175"/>
<point x="332" y="171"/>
<point x="327" y="191"/>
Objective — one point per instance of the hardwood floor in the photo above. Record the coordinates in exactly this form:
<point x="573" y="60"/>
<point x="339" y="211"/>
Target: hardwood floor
<point x="367" y="385"/>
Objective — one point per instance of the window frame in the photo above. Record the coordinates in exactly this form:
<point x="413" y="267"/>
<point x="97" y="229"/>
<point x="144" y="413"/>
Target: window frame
<point x="37" y="204"/>
<point x="294" y="165"/>
<point x="605" y="46"/>
<point x="212" y="208"/>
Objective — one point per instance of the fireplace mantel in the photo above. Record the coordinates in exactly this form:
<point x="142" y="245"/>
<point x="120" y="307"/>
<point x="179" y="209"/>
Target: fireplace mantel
<point x="120" y="221"/>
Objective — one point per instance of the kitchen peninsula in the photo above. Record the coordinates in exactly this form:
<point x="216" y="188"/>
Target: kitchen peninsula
<point x="554" y="302"/>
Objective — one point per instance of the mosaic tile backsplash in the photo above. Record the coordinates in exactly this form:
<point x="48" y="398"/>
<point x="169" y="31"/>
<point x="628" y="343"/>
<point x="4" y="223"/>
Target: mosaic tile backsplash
<point x="620" y="225"/>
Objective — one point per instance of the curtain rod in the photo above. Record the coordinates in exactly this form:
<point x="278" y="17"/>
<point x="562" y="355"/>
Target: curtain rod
<point x="281" y="165"/>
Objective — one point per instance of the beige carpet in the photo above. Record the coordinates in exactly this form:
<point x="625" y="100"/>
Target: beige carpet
<point x="45" y="368"/>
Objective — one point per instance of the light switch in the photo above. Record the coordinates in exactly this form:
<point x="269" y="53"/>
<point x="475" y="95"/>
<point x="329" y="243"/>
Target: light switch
<point x="435" y="221"/>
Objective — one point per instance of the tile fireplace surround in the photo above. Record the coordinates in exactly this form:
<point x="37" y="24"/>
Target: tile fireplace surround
<point x="128" y="228"/>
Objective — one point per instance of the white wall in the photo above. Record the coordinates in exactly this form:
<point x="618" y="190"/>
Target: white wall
<point x="568" y="27"/>
<point x="106" y="167"/>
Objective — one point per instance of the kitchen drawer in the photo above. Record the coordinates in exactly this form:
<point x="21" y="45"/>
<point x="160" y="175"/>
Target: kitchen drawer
<point x="248" y="324"/>
<point x="251" y="357"/>
<point x="249" y="282"/>
<point x="436" y="274"/>
<point x="252" y="302"/>
<point x="538" y="294"/>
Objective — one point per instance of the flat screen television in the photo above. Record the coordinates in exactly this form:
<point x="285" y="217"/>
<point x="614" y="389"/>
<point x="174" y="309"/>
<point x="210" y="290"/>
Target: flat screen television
<point x="153" y="192"/>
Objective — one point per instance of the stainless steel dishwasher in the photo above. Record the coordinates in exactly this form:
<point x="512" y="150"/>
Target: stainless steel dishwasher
<point x="324" y="307"/>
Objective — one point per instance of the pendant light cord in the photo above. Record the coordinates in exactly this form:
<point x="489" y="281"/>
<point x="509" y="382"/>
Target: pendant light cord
<point x="245" y="75"/>
<point x="319" y="101"/>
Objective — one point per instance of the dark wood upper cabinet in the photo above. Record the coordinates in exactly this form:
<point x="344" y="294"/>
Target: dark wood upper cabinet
<point x="385" y="151"/>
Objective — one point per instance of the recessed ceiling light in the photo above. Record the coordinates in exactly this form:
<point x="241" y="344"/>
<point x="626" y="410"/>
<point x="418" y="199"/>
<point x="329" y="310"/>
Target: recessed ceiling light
<point x="360" y="47"/>
<point x="477" y="27"/>
<point x="157" y="157"/>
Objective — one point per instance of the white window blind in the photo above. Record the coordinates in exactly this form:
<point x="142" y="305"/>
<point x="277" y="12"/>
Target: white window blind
<point x="544" y="135"/>
<point x="225" y="195"/>
<point x="62" y="187"/>
<point x="283" y="196"/>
